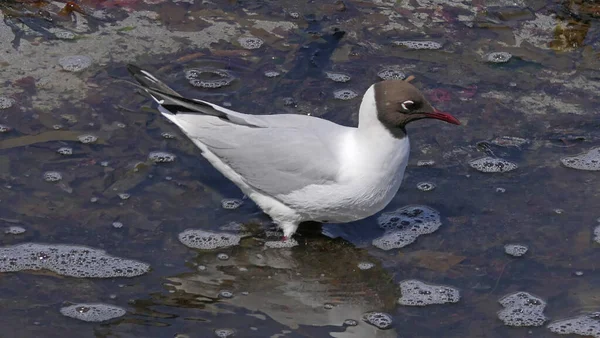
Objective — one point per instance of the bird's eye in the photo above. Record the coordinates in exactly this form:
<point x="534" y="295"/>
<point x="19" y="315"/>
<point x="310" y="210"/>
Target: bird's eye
<point x="407" y="105"/>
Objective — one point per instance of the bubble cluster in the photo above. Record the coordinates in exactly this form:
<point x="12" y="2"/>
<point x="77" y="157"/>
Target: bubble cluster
<point x="597" y="234"/>
<point x="250" y="42"/>
<point x="492" y="165"/>
<point x="584" y="325"/>
<point x="404" y="225"/>
<point x="338" y="77"/>
<point x="64" y="35"/>
<point x="425" y="163"/>
<point x="68" y="260"/>
<point x="380" y="320"/>
<point x="516" y="250"/>
<point x="65" y="151"/>
<point x="281" y="244"/>
<point x="52" y="176"/>
<point x="14" y="230"/>
<point x="522" y="309"/>
<point x="419" y="44"/>
<point x="391" y="74"/>
<point x="586" y="161"/>
<point x="365" y="265"/>
<point x="497" y="57"/>
<point x="207" y="240"/>
<point x="209" y="77"/>
<point x="4" y="128"/>
<point x="93" y="312"/>
<point x="75" y="63"/>
<point x="117" y="225"/>
<point x="351" y="322"/>
<point x="87" y="138"/>
<point x="272" y="73"/>
<point x="231" y="203"/>
<point x="161" y="157"/>
<point x="224" y="333"/>
<point x="6" y="102"/>
<point x="425" y="186"/>
<point x="417" y="293"/>
<point x="344" y="94"/>
<point x="509" y="141"/>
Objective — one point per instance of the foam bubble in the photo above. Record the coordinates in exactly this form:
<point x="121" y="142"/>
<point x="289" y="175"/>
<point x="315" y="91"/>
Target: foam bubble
<point x="65" y="151"/>
<point x="75" y="63"/>
<point x="87" y="138"/>
<point x="391" y="74"/>
<point x="585" y="161"/>
<point x="425" y="186"/>
<point x="68" y="260"/>
<point x="64" y="35"/>
<point x="6" y="102"/>
<point x="272" y="73"/>
<point x="404" y="225"/>
<point x="516" y="250"/>
<point x="338" y="77"/>
<point x="231" y="203"/>
<point x="419" y="44"/>
<point x="425" y="163"/>
<point x="207" y="240"/>
<point x="205" y="77"/>
<point x="281" y="244"/>
<point x="492" y="165"/>
<point x="509" y="141"/>
<point x="250" y="42"/>
<point x="497" y="57"/>
<point x="417" y="293"/>
<point x="225" y="294"/>
<point x="161" y="157"/>
<point x="597" y="234"/>
<point x="522" y="309"/>
<point x="224" y="333"/>
<point x="93" y="312"/>
<point x="124" y="196"/>
<point x="14" y="230"/>
<point x="380" y="320"/>
<point x="167" y="135"/>
<point x="4" y="128"/>
<point x="350" y="322"/>
<point x="365" y="265"/>
<point x="585" y="325"/>
<point x="344" y="94"/>
<point x="117" y="225"/>
<point x="223" y="256"/>
<point x="52" y="176"/>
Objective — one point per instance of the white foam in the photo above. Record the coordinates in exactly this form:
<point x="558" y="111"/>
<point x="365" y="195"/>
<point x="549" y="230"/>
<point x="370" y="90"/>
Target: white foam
<point x="207" y="240"/>
<point x="522" y="309"/>
<point x="14" y="230"/>
<point x="597" y="234"/>
<point x="4" y="128"/>
<point x="391" y="74"/>
<point x="87" y="138"/>
<point x="65" y="151"/>
<point x="68" y="260"/>
<point x="161" y="157"/>
<point x="64" y="35"/>
<point x="516" y="250"/>
<point x="589" y="160"/>
<point x="93" y="312"/>
<point x="419" y="44"/>
<point x="509" y="141"/>
<point x="492" y="165"/>
<point x="52" y="176"/>
<point x="281" y="244"/>
<point x="404" y="225"/>
<point x="425" y="186"/>
<point x="365" y="265"/>
<point x="585" y="325"/>
<point x="344" y="94"/>
<point x="380" y="320"/>
<point x="250" y="42"/>
<point x="196" y="77"/>
<point x="272" y="73"/>
<point x="497" y="57"/>
<point x="231" y="203"/>
<point x="224" y="333"/>
<point x="417" y="293"/>
<point x="338" y="77"/>
<point x="6" y="102"/>
<point x="75" y="63"/>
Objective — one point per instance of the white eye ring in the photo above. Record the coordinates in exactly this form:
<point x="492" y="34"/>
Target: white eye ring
<point x="409" y="102"/>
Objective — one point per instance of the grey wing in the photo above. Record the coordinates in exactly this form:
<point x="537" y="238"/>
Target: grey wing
<point x="275" y="161"/>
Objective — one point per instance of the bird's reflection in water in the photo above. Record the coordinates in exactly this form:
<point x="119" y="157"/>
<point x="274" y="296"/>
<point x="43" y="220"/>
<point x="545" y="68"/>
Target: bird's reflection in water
<point x="317" y="283"/>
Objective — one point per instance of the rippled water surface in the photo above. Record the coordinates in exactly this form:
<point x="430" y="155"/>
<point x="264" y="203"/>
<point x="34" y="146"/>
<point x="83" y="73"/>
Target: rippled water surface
<point x="85" y="160"/>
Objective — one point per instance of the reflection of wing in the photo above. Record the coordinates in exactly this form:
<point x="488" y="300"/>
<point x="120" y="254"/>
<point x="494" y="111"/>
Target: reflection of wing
<point x="275" y="154"/>
<point x="273" y="157"/>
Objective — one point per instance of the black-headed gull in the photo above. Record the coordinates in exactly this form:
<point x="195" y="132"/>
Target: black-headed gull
<point x="300" y="168"/>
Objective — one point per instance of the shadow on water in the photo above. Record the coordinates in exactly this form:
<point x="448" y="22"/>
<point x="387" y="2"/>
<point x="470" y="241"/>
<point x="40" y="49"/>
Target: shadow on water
<point x="533" y="110"/>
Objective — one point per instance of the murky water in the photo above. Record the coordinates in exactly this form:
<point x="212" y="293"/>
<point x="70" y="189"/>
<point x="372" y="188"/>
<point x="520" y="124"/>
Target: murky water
<point x="533" y="110"/>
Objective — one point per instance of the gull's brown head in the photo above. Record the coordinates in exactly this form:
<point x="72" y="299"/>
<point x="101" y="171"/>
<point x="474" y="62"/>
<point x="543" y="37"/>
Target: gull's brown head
<point x="399" y="102"/>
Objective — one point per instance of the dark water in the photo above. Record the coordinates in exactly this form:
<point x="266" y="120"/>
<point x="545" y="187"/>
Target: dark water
<point x="546" y="94"/>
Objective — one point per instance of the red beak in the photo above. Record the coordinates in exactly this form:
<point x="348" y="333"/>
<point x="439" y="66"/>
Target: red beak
<point x="440" y="115"/>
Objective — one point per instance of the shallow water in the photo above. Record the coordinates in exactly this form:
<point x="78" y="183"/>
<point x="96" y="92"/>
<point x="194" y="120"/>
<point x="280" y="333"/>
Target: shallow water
<point x="546" y="94"/>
